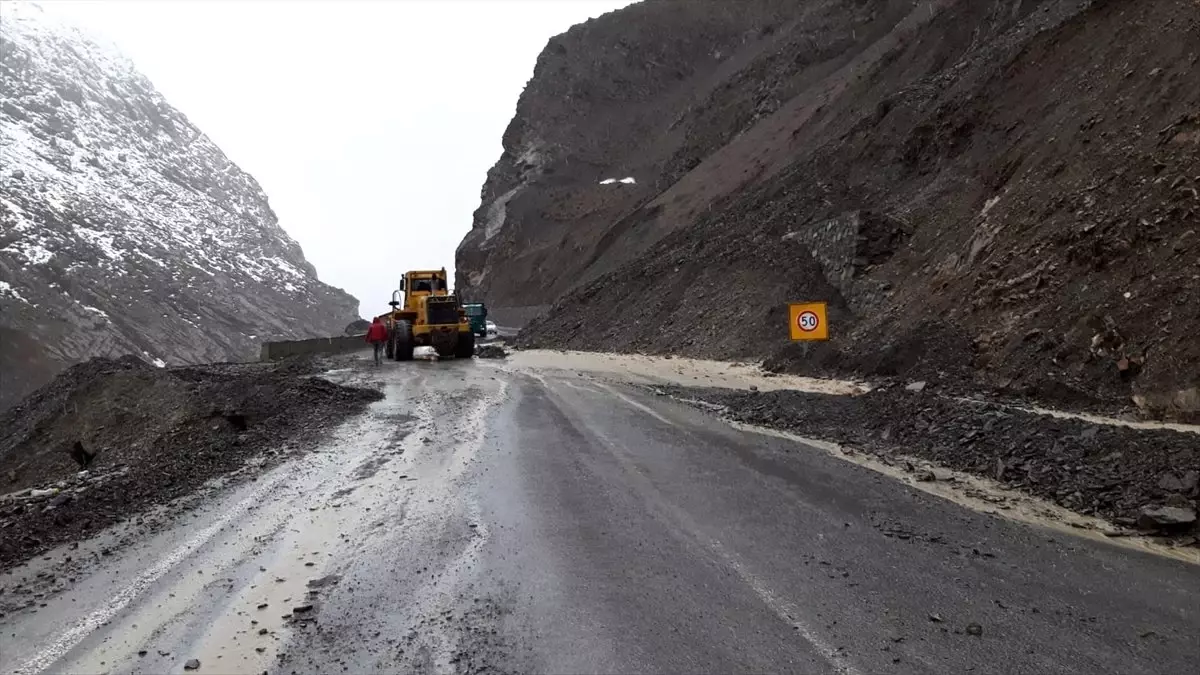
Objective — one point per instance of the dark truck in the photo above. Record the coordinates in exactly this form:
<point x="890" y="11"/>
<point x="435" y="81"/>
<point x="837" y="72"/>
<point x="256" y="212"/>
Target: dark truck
<point x="477" y="316"/>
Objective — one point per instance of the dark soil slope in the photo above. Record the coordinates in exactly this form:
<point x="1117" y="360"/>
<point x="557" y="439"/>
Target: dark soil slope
<point x="1114" y="472"/>
<point x="154" y="434"/>
<point x="999" y="194"/>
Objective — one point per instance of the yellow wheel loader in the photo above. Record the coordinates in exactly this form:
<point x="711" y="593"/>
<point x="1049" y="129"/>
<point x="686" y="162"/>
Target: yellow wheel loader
<point x="429" y="316"/>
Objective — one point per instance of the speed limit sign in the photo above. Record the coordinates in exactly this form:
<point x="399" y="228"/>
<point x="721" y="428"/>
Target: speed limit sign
<point x="808" y="321"/>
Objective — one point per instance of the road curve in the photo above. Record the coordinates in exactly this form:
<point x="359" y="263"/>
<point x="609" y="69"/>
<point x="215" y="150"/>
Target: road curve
<point x="492" y="518"/>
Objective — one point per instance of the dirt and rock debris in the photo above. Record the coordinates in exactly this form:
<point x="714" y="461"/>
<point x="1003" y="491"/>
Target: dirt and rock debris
<point x="1002" y="194"/>
<point x="491" y="351"/>
<point x="150" y="435"/>
<point x="1145" y="479"/>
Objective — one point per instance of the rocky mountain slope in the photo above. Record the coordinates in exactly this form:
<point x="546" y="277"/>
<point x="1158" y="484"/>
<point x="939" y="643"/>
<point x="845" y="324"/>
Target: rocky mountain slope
<point x="123" y="228"/>
<point x="998" y="195"/>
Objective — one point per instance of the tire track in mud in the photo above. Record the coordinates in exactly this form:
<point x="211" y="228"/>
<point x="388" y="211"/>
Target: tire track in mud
<point x="408" y="578"/>
<point x="130" y="615"/>
<point x="76" y="634"/>
<point x="436" y="599"/>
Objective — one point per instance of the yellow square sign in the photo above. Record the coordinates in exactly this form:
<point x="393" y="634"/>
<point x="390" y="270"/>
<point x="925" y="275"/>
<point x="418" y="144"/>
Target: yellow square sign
<point x="808" y="321"/>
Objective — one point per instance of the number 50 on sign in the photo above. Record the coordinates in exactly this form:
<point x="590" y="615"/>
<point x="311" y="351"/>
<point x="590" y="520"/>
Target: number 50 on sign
<point x="808" y="321"/>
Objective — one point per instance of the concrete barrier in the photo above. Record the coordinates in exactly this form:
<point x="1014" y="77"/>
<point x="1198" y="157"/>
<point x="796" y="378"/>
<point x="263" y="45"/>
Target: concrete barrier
<point x="329" y="345"/>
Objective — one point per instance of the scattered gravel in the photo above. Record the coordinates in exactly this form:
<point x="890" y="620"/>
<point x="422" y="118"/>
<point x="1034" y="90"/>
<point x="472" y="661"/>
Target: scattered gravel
<point x="1133" y="477"/>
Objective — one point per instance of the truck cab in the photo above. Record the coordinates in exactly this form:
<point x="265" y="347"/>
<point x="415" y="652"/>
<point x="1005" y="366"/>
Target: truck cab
<point x="477" y="316"/>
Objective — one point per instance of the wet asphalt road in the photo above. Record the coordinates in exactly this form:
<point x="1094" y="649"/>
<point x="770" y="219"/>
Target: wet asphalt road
<point x="485" y="518"/>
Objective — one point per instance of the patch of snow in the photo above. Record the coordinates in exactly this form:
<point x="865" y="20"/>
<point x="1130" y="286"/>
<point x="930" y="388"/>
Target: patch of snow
<point x="193" y="264"/>
<point x="628" y="180"/>
<point x="6" y="289"/>
<point x="151" y="258"/>
<point x="154" y="359"/>
<point x="251" y="268"/>
<point x="33" y="253"/>
<point x="96" y="310"/>
<point x="286" y="267"/>
<point x="23" y="221"/>
<point x="32" y="20"/>
<point x="101" y="241"/>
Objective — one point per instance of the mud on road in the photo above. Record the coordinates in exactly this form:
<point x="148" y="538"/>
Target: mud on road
<point x="545" y="513"/>
<point x="284" y="570"/>
<point x="155" y="435"/>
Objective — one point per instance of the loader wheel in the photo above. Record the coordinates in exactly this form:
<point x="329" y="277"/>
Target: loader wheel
<point x="465" y="348"/>
<point x="404" y="341"/>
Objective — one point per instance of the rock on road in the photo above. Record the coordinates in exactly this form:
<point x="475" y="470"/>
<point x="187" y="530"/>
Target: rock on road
<point x="504" y="517"/>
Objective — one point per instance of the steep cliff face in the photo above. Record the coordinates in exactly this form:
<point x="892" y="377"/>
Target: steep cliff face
<point x="601" y="97"/>
<point x="123" y="228"/>
<point x="1001" y="194"/>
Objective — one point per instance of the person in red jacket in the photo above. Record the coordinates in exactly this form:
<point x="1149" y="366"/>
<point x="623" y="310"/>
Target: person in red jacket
<point x="377" y="336"/>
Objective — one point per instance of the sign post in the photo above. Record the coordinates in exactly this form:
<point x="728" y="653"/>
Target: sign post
<point x="808" y="321"/>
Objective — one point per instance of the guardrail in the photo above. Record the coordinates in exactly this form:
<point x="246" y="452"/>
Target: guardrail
<point x="330" y="345"/>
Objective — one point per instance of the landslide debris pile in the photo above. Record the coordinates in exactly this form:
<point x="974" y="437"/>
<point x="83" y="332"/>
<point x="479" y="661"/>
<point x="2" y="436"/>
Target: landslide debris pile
<point x="1147" y="478"/>
<point x="999" y="194"/>
<point x="123" y="228"/>
<point x="156" y="434"/>
<point x="491" y="351"/>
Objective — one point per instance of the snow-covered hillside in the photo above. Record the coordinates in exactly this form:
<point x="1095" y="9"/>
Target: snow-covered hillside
<point x="123" y="228"/>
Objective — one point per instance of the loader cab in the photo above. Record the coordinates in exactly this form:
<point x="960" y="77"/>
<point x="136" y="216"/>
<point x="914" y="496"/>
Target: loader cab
<point x="430" y="285"/>
<point x="415" y="287"/>
<point x="424" y="283"/>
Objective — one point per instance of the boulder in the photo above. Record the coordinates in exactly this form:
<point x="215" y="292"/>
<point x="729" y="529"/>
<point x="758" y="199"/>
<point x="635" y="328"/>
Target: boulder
<point x="1167" y="518"/>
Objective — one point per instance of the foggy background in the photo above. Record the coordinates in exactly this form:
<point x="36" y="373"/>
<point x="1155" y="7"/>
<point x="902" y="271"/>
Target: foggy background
<point x="370" y="124"/>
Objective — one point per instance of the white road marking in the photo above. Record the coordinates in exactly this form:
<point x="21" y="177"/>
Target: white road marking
<point x="640" y="406"/>
<point x="785" y="610"/>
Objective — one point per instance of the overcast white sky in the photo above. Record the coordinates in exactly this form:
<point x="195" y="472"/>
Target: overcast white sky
<point x="370" y="124"/>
